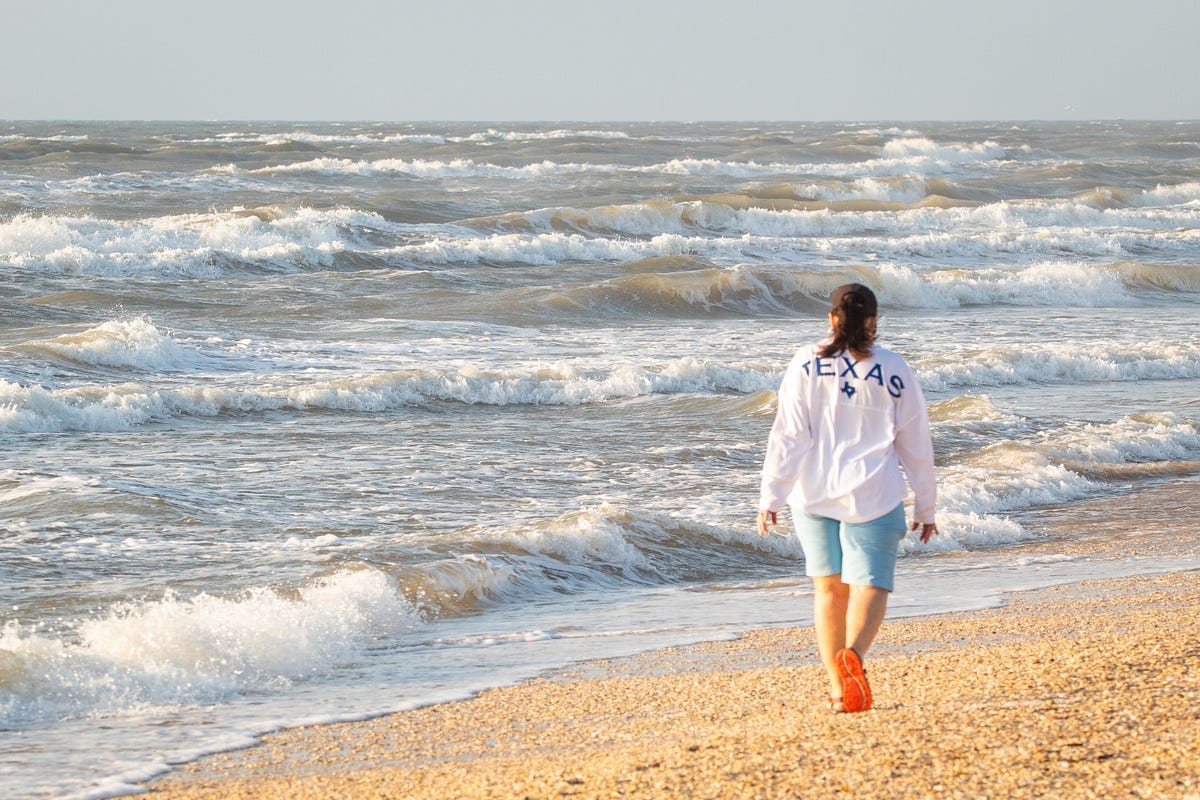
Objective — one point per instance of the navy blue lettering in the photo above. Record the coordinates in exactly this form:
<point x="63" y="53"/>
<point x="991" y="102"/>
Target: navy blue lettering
<point x="897" y="385"/>
<point x="805" y="367"/>
<point x="876" y="373"/>
<point x="822" y="364"/>
<point x="849" y="370"/>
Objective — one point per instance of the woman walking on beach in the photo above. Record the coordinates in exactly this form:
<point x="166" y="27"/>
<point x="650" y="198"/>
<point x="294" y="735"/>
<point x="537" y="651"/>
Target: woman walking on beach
<point x="851" y="416"/>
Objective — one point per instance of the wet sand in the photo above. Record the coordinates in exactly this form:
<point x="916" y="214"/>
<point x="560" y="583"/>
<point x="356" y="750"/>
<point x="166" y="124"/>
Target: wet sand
<point x="1085" y="690"/>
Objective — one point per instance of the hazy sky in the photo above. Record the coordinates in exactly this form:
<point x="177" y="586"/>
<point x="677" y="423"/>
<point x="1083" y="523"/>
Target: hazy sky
<point x="600" y="60"/>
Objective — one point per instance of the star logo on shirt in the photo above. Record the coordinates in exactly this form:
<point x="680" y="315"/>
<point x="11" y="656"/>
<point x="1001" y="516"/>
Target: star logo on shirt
<point x="849" y="390"/>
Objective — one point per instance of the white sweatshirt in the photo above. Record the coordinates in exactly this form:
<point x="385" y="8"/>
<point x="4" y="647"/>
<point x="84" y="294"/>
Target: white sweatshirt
<point x="843" y="431"/>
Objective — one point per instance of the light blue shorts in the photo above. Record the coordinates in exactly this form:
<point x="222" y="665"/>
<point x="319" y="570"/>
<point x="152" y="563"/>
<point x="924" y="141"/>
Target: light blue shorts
<point x="863" y="553"/>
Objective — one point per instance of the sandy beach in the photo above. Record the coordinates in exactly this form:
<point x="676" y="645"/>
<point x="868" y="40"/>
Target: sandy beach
<point x="1083" y="690"/>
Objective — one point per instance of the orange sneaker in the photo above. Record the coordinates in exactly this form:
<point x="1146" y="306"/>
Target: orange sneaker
<point x="856" y="692"/>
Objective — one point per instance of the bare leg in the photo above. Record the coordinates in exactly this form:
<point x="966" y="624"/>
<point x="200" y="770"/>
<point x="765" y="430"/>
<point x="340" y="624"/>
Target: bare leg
<point x="830" y="598"/>
<point x="865" y="613"/>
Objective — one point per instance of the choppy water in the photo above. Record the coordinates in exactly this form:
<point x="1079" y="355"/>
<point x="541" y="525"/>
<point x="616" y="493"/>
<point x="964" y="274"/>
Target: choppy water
<point x="313" y="421"/>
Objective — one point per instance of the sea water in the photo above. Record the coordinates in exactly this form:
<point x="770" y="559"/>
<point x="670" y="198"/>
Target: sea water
<point x="312" y="421"/>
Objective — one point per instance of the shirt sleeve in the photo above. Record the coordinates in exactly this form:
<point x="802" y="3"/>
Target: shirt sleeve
<point x="914" y="446"/>
<point x="790" y="439"/>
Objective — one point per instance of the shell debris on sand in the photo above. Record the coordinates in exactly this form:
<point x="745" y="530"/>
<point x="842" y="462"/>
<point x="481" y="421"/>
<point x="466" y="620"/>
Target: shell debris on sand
<point x="1077" y="691"/>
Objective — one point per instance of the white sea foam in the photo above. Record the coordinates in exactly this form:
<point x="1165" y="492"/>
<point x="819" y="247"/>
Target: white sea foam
<point x="494" y="135"/>
<point x="895" y="190"/>
<point x="892" y="131"/>
<point x="297" y="239"/>
<point x="1009" y="482"/>
<point x="19" y="485"/>
<point x="549" y="248"/>
<point x="133" y="342"/>
<point x="456" y="168"/>
<point x="1056" y="467"/>
<point x="1049" y="283"/>
<point x="719" y="231"/>
<point x="1050" y="469"/>
<point x="787" y="244"/>
<point x="1053" y="362"/>
<point x="907" y="157"/>
<point x="284" y="137"/>
<point x="61" y="137"/>
<point x="122" y="406"/>
<point x="180" y="651"/>
<point x="967" y="531"/>
<point x="916" y="157"/>
<point x="489" y="136"/>
<point x="466" y="168"/>
<point x="611" y="545"/>
<point x="1059" y="284"/>
<point x="117" y="184"/>
<point x="117" y="407"/>
<point x="717" y="167"/>
<point x="1062" y="217"/>
<point x="592" y="538"/>
<point x="1024" y="221"/>
<point x="193" y="245"/>
<point x="1138" y="438"/>
<point x="1171" y="195"/>
<point x="920" y="149"/>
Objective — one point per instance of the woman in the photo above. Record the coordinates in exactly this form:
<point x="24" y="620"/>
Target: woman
<point x="851" y="416"/>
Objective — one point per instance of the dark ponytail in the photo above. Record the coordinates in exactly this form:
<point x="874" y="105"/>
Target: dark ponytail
<point x="852" y="306"/>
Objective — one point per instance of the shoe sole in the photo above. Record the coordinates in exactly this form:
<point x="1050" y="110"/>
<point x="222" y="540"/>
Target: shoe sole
<point x="856" y="692"/>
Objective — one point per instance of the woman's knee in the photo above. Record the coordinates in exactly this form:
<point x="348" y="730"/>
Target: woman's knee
<point x="831" y="586"/>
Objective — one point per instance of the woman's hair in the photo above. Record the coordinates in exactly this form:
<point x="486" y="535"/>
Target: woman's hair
<point x="852" y="306"/>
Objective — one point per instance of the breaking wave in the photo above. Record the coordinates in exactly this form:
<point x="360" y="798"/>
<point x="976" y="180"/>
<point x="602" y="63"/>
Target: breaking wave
<point x="391" y="137"/>
<point x="494" y="135"/>
<point x="135" y="343"/>
<point x="188" y="245"/>
<point x="180" y="651"/>
<point x="417" y="168"/>
<point x="976" y="489"/>
<point x="1048" y="363"/>
<point x="119" y="407"/>
<point x="899" y="157"/>
<point x="722" y="228"/>
<point x="252" y="137"/>
<point x="745" y="214"/>
<point x="692" y="290"/>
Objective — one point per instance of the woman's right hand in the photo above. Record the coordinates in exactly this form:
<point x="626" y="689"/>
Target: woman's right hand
<point x="765" y="520"/>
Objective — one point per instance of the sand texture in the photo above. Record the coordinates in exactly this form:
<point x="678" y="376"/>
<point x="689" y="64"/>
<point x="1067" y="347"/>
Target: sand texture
<point x="1087" y="690"/>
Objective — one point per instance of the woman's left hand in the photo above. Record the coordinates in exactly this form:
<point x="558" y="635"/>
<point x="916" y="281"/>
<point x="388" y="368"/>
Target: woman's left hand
<point x="765" y="520"/>
<point x="928" y="529"/>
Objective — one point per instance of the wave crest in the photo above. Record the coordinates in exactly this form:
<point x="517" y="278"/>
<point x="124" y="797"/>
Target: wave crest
<point x="177" y="651"/>
<point x="119" y="407"/>
<point x="135" y="343"/>
<point x="187" y="245"/>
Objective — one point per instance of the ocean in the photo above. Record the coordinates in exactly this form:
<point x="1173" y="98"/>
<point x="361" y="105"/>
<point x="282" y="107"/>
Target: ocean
<point x="307" y="422"/>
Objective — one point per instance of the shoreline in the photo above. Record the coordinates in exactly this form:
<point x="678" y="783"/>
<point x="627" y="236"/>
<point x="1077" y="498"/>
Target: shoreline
<point x="1082" y="689"/>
